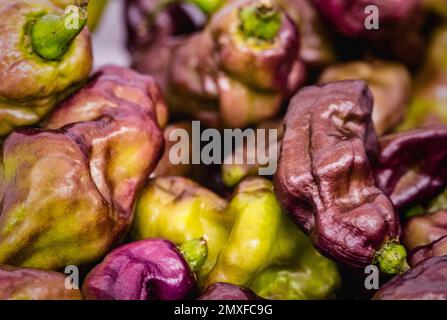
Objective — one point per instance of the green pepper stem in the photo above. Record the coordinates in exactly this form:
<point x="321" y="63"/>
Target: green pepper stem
<point x="391" y="258"/>
<point x="260" y="21"/>
<point x="195" y="252"/>
<point x="52" y="35"/>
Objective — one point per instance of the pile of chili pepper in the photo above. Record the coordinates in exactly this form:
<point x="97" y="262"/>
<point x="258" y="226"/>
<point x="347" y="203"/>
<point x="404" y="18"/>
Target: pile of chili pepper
<point x="358" y="103"/>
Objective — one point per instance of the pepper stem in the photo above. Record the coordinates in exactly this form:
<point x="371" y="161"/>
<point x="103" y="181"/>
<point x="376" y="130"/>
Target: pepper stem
<point x="391" y="258"/>
<point x="195" y="252"/>
<point x="261" y="21"/>
<point x="52" y="35"/>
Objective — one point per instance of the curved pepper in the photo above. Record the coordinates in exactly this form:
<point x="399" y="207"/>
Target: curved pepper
<point x="389" y="82"/>
<point x="325" y="181"/>
<point x="151" y="269"/>
<point x="437" y="248"/>
<point x="67" y="194"/>
<point x="248" y="239"/>
<point x="423" y="230"/>
<point x="411" y="165"/>
<point x="248" y="57"/>
<point x="427" y="281"/>
<point x="95" y="10"/>
<point x="34" y="284"/>
<point x="428" y="104"/>
<point x="31" y="85"/>
<point x="227" y="291"/>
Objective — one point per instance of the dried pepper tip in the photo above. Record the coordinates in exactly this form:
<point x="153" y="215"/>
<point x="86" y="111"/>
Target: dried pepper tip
<point x="391" y="258"/>
<point x="195" y="252"/>
<point x="261" y="21"/>
<point x="51" y="34"/>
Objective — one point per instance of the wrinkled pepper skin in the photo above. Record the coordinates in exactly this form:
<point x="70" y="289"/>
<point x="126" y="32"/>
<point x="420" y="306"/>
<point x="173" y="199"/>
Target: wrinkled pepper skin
<point x="151" y="269"/>
<point x="425" y="229"/>
<point x="227" y="291"/>
<point x="389" y="82"/>
<point x="95" y="10"/>
<point x="437" y="248"/>
<point x="428" y="106"/>
<point x="411" y="165"/>
<point x="32" y="86"/>
<point x="427" y="281"/>
<point x="236" y="69"/>
<point x="325" y="180"/>
<point x="249" y="239"/>
<point x="34" y="284"/>
<point x="67" y="194"/>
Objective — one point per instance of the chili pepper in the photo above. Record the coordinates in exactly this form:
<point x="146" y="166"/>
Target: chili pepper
<point x="437" y="248"/>
<point x="34" y="284"/>
<point x="411" y="166"/>
<point x="428" y="104"/>
<point x="42" y="61"/>
<point x="425" y="229"/>
<point x="325" y="180"/>
<point x="389" y="82"/>
<point x="227" y="291"/>
<point x="427" y="281"/>
<point x="155" y="28"/>
<point x="68" y="191"/>
<point x="151" y="269"/>
<point x="248" y="57"/>
<point x="251" y="242"/>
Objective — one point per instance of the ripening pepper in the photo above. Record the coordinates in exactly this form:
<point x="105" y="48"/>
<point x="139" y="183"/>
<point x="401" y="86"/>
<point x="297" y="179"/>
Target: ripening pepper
<point x="239" y="69"/>
<point x="429" y="100"/>
<point x="325" y="180"/>
<point x="67" y="191"/>
<point x="150" y="269"/>
<point x="437" y="248"/>
<point x="250" y="240"/>
<point x="389" y="82"/>
<point x="427" y="281"/>
<point x="95" y="10"/>
<point x="42" y="61"/>
<point x="34" y="284"/>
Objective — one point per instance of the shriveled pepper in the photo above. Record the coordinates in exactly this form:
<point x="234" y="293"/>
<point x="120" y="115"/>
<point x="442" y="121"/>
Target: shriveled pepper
<point x="251" y="242"/>
<point x="34" y="284"/>
<point x="237" y="71"/>
<point x="424" y="229"/>
<point x="389" y="82"/>
<point x="227" y="291"/>
<point x="437" y="248"/>
<point x="151" y="269"/>
<point x="68" y="191"/>
<point x="326" y="182"/>
<point x="42" y="61"/>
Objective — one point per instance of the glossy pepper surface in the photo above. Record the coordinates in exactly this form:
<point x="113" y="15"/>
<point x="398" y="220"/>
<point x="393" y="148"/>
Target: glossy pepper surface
<point x="437" y="248"/>
<point x="251" y="242"/>
<point x="248" y="56"/>
<point x="32" y="85"/>
<point x="151" y="269"/>
<point x="34" y="284"/>
<point x="67" y="194"/>
<point x="411" y="165"/>
<point x="427" y="281"/>
<point x="326" y="182"/>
